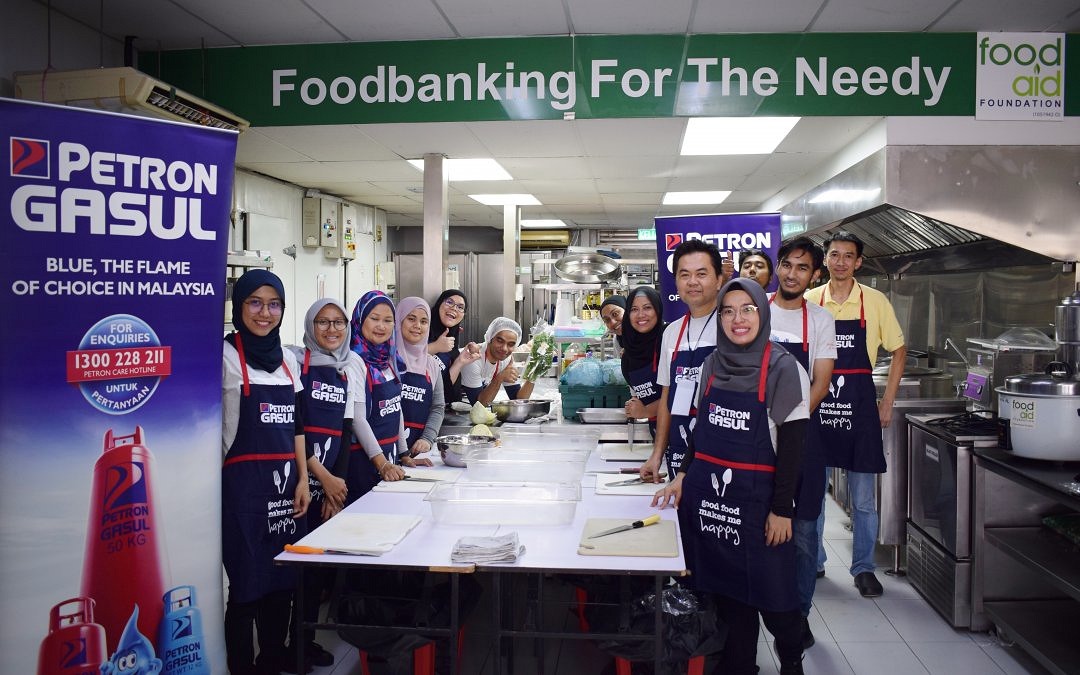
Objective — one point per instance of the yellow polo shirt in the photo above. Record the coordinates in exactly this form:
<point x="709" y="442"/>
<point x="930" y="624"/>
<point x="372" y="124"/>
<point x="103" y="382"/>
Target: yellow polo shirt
<point x="882" y="328"/>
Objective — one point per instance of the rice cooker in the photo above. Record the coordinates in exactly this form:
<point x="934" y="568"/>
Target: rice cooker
<point x="1043" y="414"/>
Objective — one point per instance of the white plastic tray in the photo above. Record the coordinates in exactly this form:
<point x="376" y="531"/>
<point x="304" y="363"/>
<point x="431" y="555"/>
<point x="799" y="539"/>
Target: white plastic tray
<point x="466" y="503"/>
<point x="526" y="464"/>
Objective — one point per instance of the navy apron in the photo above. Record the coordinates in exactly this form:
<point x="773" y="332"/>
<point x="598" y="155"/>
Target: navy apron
<point x="685" y="366"/>
<point x="726" y="497"/>
<point x="416" y="394"/>
<point x="643" y="385"/>
<point x="383" y="416"/>
<point x="258" y="483"/>
<point x="848" y="429"/>
<point x="325" y="397"/>
<point x="451" y="390"/>
<point x="808" y="493"/>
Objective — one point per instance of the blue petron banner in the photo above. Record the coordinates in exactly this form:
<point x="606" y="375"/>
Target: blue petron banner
<point x="731" y="232"/>
<point x="115" y="231"/>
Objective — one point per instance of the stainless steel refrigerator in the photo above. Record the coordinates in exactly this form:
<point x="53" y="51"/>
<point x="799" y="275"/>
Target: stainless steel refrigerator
<point x="479" y="276"/>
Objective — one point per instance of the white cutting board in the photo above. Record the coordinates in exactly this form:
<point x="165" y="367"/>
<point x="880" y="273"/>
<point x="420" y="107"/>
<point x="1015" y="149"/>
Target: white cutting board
<point x="363" y="533"/>
<point x="421" y="486"/>
<point x="655" y="541"/>
<point x="622" y="452"/>
<point x="643" y="489"/>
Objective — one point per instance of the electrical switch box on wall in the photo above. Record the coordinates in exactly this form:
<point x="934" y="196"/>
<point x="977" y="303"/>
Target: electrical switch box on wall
<point x="346" y="238"/>
<point x="320" y="222"/>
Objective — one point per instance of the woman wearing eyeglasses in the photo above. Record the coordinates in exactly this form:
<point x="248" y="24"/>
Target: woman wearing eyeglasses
<point x="642" y="332"/>
<point x="735" y="491"/>
<point x="264" y="491"/>
<point x="444" y="338"/>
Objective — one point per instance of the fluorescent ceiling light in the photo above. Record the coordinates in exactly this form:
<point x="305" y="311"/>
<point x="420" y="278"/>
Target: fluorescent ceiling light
<point x="542" y="224"/>
<point x="502" y="200"/>
<point x="469" y="169"/>
<point x="735" y="135"/>
<point x="700" y="197"/>
<point x="845" y="196"/>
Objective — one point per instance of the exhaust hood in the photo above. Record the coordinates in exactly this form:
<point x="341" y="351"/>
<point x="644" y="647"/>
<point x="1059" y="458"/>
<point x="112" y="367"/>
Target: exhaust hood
<point x="973" y="207"/>
<point x="123" y="90"/>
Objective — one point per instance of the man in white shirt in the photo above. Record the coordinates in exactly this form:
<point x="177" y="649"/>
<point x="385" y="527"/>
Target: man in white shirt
<point x="700" y="270"/>
<point x="482" y="378"/>
<point x="808" y="331"/>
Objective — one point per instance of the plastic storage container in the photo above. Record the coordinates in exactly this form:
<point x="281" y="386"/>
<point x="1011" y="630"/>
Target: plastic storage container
<point x="511" y="464"/>
<point x="584" y="440"/>
<point x="462" y="503"/>
<point x="607" y="396"/>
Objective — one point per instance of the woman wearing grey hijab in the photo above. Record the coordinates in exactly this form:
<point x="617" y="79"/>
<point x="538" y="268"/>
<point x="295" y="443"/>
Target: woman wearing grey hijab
<point x="735" y="492"/>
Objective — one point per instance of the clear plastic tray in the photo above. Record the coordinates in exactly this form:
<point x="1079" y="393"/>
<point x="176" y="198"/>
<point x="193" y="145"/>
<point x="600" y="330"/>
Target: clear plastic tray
<point x="526" y="464"/>
<point x="586" y="442"/>
<point x="522" y="503"/>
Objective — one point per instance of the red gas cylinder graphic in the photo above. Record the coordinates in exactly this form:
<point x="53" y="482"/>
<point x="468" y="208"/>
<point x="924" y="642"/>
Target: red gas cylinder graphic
<point x="75" y="644"/>
<point x="125" y="563"/>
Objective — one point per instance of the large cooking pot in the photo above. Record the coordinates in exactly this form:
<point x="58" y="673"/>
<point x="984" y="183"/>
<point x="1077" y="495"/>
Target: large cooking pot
<point x="931" y="382"/>
<point x="1042" y="412"/>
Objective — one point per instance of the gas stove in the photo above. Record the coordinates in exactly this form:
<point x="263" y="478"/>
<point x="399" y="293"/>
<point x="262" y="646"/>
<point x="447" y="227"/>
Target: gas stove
<point x="979" y="428"/>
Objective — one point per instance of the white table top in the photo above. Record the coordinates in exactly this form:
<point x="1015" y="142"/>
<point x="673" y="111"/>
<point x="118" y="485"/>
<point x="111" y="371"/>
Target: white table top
<point x="547" y="547"/>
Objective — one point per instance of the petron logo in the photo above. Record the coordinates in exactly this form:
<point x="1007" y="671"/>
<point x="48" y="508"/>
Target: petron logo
<point x="125" y="485"/>
<point x="672" y="241"/>
<point x="30" y="158"/>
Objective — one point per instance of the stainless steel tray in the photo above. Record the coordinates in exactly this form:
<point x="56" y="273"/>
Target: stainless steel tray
<point x="601" y="415"/>
<point x="587" y="268"/>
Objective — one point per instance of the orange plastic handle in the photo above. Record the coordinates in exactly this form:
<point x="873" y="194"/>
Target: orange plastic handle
<point x="293" y="548"/>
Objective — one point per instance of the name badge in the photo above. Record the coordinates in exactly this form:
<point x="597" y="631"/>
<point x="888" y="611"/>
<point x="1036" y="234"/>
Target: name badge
<point x="388" y="373"/>
<point x="684" y="397"/>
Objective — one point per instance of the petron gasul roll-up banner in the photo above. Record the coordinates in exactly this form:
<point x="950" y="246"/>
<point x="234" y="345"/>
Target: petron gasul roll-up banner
<point x="733" y="233"/>
<point x="113" y="268"/>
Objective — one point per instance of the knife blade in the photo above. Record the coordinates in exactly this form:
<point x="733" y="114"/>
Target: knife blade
<point x="645" y="522"/>
<point x="425" y="480"/>
<point x="631" y="481"/>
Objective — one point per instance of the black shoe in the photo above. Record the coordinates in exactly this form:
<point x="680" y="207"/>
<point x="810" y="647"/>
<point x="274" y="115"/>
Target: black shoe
<point x="821" y="573"/>
<point x="317" y="656"/>
<point x="807" y="635"/>
<point x="288" y="665"/>
<point x="793" y="667"/>
<point x="868" y="585"/>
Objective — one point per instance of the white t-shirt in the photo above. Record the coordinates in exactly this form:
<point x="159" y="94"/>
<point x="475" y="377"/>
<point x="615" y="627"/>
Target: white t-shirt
<point x="232" y="381"/>
<point x="479" y="372"/>
<point x="700" y="332"/>
<point x="820" y="330"/>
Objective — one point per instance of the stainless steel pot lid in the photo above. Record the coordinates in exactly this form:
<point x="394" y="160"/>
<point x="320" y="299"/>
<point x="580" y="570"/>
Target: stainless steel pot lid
<point x="911" y="371"/>
<point x="587" y="268"/>
<point x="1041" y="384"/>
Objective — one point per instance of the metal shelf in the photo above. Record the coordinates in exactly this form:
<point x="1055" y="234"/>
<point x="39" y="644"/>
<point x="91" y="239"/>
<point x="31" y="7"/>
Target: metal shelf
<point x="248" y="261"/>
<point x="1048" y="553"/>
<point x="1046" y="629"/>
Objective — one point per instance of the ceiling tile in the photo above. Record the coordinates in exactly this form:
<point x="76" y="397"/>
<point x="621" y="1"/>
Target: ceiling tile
<point x="475" y="18"/>
<point x="256" y="145"/>
<point x="630" y="16"/>
<point x="413" y="141"/>
<point x="1010" y="15"/>
<point x="632" y="137"/>
<point x="373" y="22"/>
<point x="330" y="142"/>
<point x="546" y="168"/>
<point x="639" y="199"/>
<point x="883" y="15"/>
<point x="632" y="167"/>
<point x="754" y="16"/>
<point x="725" y="169"/>
<point x="529" y="138"/>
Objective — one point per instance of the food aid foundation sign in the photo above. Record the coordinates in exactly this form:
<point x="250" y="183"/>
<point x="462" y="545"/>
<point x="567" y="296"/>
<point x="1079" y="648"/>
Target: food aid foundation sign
<point x="1020" y="76"/>
<point x="731" y="232"/>
<point x="112" y="274"/>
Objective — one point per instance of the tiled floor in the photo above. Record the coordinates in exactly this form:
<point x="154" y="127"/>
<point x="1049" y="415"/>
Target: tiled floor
<point x="898" y="633"/>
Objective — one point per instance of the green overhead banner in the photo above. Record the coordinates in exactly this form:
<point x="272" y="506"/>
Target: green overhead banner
<point x="600" y="76"/>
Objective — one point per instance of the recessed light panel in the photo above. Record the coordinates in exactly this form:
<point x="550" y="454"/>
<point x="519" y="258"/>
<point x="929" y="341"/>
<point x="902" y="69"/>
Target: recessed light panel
<point x="735" y="135"/>
<point x="700" y="197"/>
<point x="469" y="169"/>
<point x="502" y="200"/>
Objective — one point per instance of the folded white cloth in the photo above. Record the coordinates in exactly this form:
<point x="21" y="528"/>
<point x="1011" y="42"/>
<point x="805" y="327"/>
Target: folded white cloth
<point x="506" y="548"/>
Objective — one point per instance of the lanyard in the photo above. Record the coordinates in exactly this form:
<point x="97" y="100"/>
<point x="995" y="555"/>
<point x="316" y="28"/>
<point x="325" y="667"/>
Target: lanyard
<point x="682" y="329"/>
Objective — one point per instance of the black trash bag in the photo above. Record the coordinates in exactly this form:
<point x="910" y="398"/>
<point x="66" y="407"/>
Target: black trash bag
<point x="690" y="623"/>
<point x="393" y="598"/>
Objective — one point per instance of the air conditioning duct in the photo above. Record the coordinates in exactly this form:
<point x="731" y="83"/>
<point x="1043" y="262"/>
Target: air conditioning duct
<point x="123" y="90"/>
<point x="531" y="239"/>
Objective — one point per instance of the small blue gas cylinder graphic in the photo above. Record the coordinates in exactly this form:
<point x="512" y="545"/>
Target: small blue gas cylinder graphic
<point x="180" y="637"/>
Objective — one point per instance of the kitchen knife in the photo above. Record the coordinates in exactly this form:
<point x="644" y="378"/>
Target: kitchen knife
<point x="314" y="550"/>
<point x="632" y="481"/>
<point x="425" y="480"/>
<point x="651" y="520"/>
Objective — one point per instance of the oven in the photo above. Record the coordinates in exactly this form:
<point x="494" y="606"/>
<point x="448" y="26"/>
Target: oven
<point x="939" y="529"/>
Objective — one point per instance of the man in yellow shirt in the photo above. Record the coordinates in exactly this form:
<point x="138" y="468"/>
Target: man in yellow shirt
<point x="849" y="419"/>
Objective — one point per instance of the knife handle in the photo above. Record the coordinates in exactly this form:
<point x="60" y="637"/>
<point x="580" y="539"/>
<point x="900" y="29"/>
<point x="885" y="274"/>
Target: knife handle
<point x="651" y="520"/>
<point x="293" y="548"/>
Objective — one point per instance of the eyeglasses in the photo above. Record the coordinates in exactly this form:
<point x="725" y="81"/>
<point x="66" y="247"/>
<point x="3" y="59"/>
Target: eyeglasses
<point x="450" y="304"/>
<point x="746" y="311"/>
<point x="325" y="324"/>
<point x="254" y="305"/>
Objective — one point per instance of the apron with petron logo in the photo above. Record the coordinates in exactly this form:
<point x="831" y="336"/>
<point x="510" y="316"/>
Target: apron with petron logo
<point x="416" y="393"/>
<point x="643" y="385"/>
<point x="685" y="371"/>
<point x="325" y="394"/>
<point x="383" y="416"/>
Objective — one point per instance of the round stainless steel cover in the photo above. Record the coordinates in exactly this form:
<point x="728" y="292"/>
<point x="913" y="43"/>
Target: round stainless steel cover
<point x="587" y="268"/>
<point x="1042" y="384"/>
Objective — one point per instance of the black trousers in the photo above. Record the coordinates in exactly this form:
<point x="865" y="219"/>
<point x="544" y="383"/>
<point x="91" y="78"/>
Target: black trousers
<point x="270" y="616"/>
<point x="740" y="651"/>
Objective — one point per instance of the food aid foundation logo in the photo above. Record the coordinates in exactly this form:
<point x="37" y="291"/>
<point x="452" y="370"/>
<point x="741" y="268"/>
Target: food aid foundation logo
<point x="119" y="364"/>
<point x="1020" y="76"/>
<point x="30" y="158"/>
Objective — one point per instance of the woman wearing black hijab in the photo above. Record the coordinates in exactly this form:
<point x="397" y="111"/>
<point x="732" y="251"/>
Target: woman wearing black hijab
<point x="264" y="479"/>
<point x="735" y="491"/>
<point x="444" y="338"/>
<point x="642" y="330"/>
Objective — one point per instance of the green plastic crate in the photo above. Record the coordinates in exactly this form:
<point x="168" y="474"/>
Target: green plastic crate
<point x="577" y="396"/>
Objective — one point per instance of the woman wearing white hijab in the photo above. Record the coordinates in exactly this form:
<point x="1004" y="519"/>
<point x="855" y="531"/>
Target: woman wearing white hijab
<point x="482" y="379"/>
<point x="735" y="491"/>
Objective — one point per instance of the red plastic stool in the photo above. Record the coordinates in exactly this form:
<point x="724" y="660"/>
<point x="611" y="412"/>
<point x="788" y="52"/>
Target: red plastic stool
<point x="423" y="657"/>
